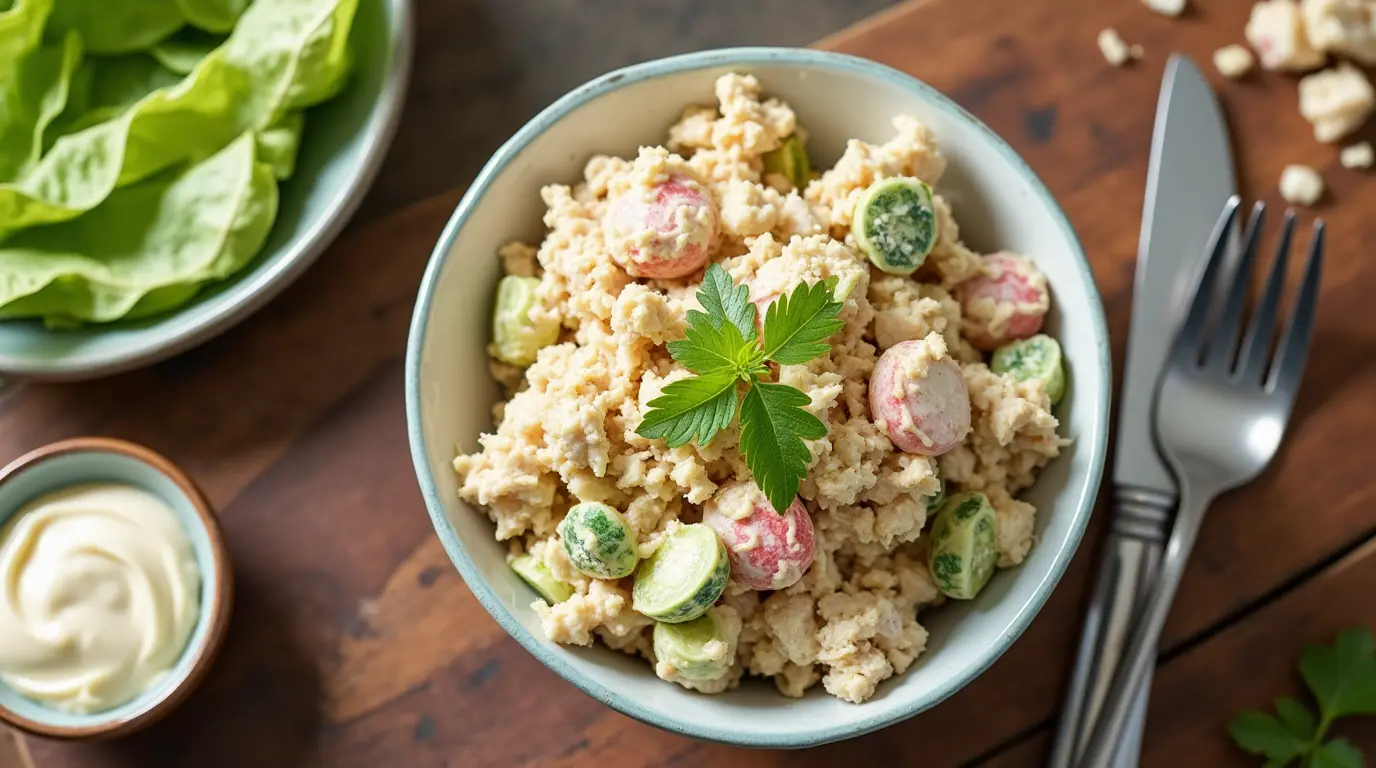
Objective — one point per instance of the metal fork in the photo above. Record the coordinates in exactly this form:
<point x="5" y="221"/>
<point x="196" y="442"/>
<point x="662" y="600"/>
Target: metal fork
<point x="1220" y="412"/>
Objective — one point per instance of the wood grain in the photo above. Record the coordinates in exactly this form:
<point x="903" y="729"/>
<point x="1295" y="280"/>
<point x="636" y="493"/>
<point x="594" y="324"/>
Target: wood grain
<point x="484" y="67"/>
<point x="356" y="643"/>
<point x="14" y="752"/>
<point x="1245" y="667"/>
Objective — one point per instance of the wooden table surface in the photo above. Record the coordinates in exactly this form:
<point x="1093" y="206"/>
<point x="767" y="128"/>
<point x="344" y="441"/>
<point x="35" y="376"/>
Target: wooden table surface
<point x="355" y="642"/>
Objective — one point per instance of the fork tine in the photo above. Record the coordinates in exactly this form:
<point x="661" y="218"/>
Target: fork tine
<point x="1189" y="339"/>
<point x="1256" y="345"/>
<point x="1222" y="343"/>
<point x="1299" y="331"/>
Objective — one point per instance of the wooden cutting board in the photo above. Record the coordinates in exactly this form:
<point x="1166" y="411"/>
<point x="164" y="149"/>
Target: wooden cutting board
<point x="355" y="642"/>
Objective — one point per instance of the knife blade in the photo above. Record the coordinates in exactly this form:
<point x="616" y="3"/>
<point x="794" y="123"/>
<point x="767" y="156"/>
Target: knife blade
<point x="1189" y="178"/>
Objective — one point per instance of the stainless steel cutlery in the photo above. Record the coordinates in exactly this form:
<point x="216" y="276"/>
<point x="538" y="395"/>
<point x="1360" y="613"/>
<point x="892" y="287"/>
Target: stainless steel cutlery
<point x="1219" y="414"/>
<point x="1189" y="179"/>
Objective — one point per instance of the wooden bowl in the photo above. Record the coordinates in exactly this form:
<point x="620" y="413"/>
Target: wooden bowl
<point x="99" y="459"/>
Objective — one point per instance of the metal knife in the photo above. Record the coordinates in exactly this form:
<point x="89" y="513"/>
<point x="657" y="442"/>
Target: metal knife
<point x="1189" y="178"/>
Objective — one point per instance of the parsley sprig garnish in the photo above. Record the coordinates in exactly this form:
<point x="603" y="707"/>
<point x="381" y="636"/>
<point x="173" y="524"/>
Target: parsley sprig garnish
<point x="722" y="346"/>
<point x="1342" y="678"/>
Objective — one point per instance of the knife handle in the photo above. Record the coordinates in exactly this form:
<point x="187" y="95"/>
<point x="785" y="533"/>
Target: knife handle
<point x="1140" y="524"/>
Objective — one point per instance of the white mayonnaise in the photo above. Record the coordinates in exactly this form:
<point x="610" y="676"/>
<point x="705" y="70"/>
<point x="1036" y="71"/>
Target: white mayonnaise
<point x="99" y="593"/>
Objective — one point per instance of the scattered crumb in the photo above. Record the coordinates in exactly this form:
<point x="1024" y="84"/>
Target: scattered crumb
<point x="1276" y="30"/>
<point x="1233" y="61"/>
<point x="1342" y="27"/>
<point x="1356" y="156"/>
<point x="1337" y="101"/>
<point x="1166" y="7"/>
<point x="1300" y="185"/>
<point x="1117" y="52"/>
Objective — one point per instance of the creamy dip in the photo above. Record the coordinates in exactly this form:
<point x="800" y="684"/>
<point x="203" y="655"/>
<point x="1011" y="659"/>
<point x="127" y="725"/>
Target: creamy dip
<point x="99" y="593"/>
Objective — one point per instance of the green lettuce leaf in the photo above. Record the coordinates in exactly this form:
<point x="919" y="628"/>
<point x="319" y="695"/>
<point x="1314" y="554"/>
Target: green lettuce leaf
<point x="279" y="143"/>
<point x="115" y="26"/>
<point x="283" y="55"/>
<point x="108" y="86"/>
<point x="120" y="82"/>
<point x="21" y="30"/>
<point x="213" y="15"/>
<point x="184" y="50"/>
<point x="32" y="95"/>
<point x="325" y="61"/>
<point x="148" y="248"/>
<point x="35" y="80"/>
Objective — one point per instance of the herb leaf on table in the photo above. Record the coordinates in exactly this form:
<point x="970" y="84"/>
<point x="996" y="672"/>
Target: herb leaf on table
<point x="1342" y="679"/>
<point x="1297" y="718"/>
<point x="1343" y="676"/>
<point x="1261" y="734"/>
<point x="1338" y="753"/>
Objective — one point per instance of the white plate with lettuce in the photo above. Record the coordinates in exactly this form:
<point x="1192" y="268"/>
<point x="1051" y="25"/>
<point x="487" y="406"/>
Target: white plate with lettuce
<point x="167" y="166"/>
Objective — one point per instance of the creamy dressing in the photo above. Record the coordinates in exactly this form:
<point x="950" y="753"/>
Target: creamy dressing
<point x="99" y="593"/>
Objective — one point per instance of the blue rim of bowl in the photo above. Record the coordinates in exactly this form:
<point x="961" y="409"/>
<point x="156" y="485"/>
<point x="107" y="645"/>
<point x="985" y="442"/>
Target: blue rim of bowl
<point x="248" y="296"/>
<point x="1096" y="439"/>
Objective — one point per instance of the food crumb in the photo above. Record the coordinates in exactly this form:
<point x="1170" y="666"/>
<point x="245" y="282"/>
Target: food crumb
<point x="1336" y="101"/>
<point x="1358" y="155"/>
<point x="1300" y="185"/>
<point x="1276" y="31"/>
<point x="1233" y="61"/>
<point x="1342" y="27"/>
<point x="1115" y="50"/>
<point x="1166" y="7"/>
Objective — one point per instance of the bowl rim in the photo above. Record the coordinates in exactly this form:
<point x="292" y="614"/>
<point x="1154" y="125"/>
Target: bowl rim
<point x="245" y="297"/>
<point x="221" y="605"/>
<point x="1095" y="438"/>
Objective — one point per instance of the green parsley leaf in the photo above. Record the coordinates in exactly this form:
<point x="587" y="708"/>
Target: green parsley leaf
<point x="722" y="346"/>
<point x="1343" y="676"/>
<point x="723" y="300"/>
<point x="1261" y="734"/>
<point x="1338" y="753"/>
<point x="711" y="347"/>
<point x="1297" y="718"/>
<point x="773" y="427"/>
<point x="795" y="325"/>
<point x="697" y="407"/>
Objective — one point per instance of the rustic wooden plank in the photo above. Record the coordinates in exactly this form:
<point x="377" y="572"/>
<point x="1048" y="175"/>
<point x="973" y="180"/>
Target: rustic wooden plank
<point x="484" y="67"/>
<point x="14" y="753"/>
<point x="1030" y="752"/>
<point x="1244" y="667"/>
<point x="1254" y="662"/>
<point x="356" y="643"/>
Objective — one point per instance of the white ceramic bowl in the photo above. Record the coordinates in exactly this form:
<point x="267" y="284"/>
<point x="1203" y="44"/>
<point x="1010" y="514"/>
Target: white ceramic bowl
<point x="999" y="203"/>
